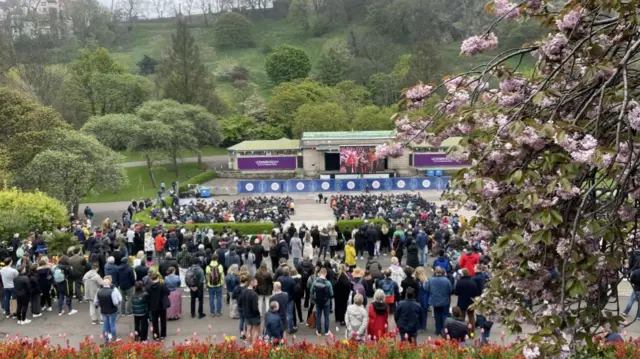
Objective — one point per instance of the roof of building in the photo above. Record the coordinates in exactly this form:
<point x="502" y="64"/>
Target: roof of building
<point x="347" y="135"/>
<point x="449" y="142"/>
<point x="266" y="145"/>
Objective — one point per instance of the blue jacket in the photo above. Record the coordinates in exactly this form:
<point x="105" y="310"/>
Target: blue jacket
<point x="173" y="244"/>
<point x="439" y="289"/>
<point x="126" y="278"/>
<point x="288" y="285"/>
<point x="423" y="295"/>
<point x="231" y="282"/>
<point x="112" y="270"/>
<point x="273" y="325"/>
<point x="409" y="316"/>
<point x="422" y="239"/>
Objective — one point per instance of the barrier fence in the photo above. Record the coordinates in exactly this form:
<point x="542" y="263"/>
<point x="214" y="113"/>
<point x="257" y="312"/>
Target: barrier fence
<point x="344" y="185"/>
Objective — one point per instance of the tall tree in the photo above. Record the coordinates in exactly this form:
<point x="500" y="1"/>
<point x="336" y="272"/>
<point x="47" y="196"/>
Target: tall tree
<point x="325" y="116"/>
<point x="113" y="131"/>
<point x="150" y="139"/>
<point x="334" y="62"/>
<point x="185" y="78"/>
<point x="299" y="14"/>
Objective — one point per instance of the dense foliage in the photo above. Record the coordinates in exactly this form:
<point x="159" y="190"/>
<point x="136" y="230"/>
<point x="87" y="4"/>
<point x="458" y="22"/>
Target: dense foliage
<point x="233" y="30"/>
<point x="287" y="63"/>
<point x="23" y="212"/>
<point x="554" y="160"/>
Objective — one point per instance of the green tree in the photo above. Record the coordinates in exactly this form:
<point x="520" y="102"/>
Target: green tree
<point x="236" y="129"/>
<point x="21" y="212"/>
<point x="266" y="131"/>
<point x="25" y="128"/>
<point x="184" y="76"/>
<point x="114" y="131"/>
<point x="287" y="63"/>
<point x="384" y="88"/>
<point x="335" y="61"/>
<point x="119" y="93"/>
<point x="351" y="97"/>
<point x="71" y="167"/>
<point x="89" y="65"/>
<point x="147" y="65"/>
<point x="370" y="118"/>
<point x="289" y="96"/>
<point x="299" y="14"/>
<point x="150" y="139"/>
<point x="207" y="131"/>
<point x="90" y="23"/>
<point x="327" y="116"/>
<point x="233" y="30"/>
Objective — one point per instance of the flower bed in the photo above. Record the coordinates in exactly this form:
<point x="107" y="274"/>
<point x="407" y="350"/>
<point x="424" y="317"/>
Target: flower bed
<point x="229" y="348"/>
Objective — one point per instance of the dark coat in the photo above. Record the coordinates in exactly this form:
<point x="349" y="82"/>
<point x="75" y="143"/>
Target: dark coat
<point x="22" y="286"/>
<point x="466" y="290"/>
<point x="141" y="271"/>
<point x="407" y="283"/>
<point x="288" y="285"/>
<point x="480" y="278"/>
<point x="158" y="296"/>
<point x="409" y="316"/>
<point x="126" y="278"/>
<point x="273" y="325"/>
<point x="413" y="260"/>
<point x="166" y="263"/>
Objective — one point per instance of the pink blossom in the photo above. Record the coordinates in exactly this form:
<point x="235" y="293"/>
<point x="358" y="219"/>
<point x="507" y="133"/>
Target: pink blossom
<point x="506" y="8"/>
<point x="530" y="138"/>
<point x="627" y="213"/>
<point x="450" y="105"/>
<point x="569" y="21"/>
<point x="567" y="194"/>
<point x="634" y="118"/>
<point x="556" y="47"/>
<point x="477" y="44"/>
<point x="534" y="4"/>
<point x="548" y="102"/>
<point x="418" y="92"/>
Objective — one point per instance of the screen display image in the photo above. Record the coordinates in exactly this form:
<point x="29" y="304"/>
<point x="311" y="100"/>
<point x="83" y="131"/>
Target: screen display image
<point x="357" y="159"/>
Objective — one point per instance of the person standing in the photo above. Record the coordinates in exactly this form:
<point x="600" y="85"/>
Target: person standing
<point x="249" y="300"/>
<point x="265" y="287"/>
<point x="195" y="281"/>
<point x="108" y="299"/>
<point x="356" y="319"/>
<point x="140" y="304"/>
<point x="273" y="324"/>
<point x="466" y="289"/>
<point x="22" y="292"/>
<point x="409" y="317"/>
<point x="288" y="286"/>
<point x="457" y="328"/>
<point x="215" y="282"/>
<point x="634" y="279"/>
<point x="378" y="316"/>
<point x="8" y="275"/>
<point x="324" y="244"/>
<point x="296" y="249"/>
<point x="440" y="289"/>
<point x="322" y="292"/>
<point x="423" y="251"/>
<point x="158" y="304"/>
<point x="159" y="243"/>
<point x="350" y="254"/>
<point x="307" y="249"/>
<point x="45" y="279"/>
<point x="342" y="291"/>
<point x="79" y="268"/>
<point x="468" y="260"/>
<point x="36" y="307"/>
<point x="92" y="283"/>
<point x="173" y="283"/>
<point x="64" y="285"/>
<point x="283" y="300"/>
<point x="391" y="290"/>
<point x="125" y="282"/>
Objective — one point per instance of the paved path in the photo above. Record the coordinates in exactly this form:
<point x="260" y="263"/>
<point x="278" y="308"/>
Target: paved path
<point x="217" y="162"/>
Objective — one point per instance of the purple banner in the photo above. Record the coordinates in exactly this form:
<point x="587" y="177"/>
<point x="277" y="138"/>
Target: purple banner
<point x="434" y="160"/>
<point x="267" y="163"/>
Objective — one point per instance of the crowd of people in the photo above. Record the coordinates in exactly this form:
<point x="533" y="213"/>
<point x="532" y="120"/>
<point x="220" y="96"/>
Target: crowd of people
<point x="130" y="269"/>
<point x="254" y="209"/>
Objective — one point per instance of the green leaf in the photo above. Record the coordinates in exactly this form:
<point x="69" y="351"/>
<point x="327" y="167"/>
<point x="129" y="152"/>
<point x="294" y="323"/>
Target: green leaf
<point x="517" y="177"/>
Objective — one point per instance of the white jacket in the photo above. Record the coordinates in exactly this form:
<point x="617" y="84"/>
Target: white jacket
<point x="307" y="251"/>
<point x="149" y="242"/>
<point x="398" y="275"/>
<point x="356" y="319"/>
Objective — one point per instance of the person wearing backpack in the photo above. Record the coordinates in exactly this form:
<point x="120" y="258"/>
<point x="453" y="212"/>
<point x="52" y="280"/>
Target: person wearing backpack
<point x="194" y="279"/>
<point x="390" y="289"/>
<point x="439" y="288"/>
<point x="64" y="285"/>
<point x="322" y="292"/>
<point x="358" y="286"/>
<point x="140" y="302"/>
<point x="215" y="281"/>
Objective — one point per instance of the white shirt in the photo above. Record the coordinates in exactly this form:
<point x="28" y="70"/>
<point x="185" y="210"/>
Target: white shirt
<point x="130" y="235"/>
<point x="8" y="275"/>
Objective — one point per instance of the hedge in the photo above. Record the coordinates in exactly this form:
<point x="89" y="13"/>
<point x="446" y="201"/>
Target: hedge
<point x="244" y="228"/>
<point x="353" y="223"/>
<point x="197" y="179"/>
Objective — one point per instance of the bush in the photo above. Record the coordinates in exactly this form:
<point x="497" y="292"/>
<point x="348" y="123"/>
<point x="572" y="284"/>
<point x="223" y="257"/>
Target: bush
<point x="58" y="242"/>
<point x="287" y="63"/>
<point x="320" y="27"/>
<point x="239" y="73"/>
<point x="357" y="223"/>
<point x="233" y="30"/>
<point x="197" y="179"/>
<point x="22" y="212"/>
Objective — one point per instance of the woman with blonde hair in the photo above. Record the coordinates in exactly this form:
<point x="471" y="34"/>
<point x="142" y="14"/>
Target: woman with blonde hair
<point x="307" y="247"/>
<point x="341" y="293"/>
<point x="423" y="296"/>
<point x="231" y="282"/>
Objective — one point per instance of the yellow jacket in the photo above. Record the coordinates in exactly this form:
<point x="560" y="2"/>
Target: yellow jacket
<point x="350" y="255"/>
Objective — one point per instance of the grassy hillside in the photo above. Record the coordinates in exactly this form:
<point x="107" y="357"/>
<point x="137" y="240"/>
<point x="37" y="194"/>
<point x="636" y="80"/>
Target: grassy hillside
<point x="153" y="38"/>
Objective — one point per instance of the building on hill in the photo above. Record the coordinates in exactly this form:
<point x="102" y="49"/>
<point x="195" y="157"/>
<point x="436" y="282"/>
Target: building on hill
<point x="31" y="17"/>
<point x="341" y="154"/>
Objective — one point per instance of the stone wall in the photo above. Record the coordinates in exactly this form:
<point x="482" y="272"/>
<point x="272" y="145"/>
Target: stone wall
<point x="311" y="157"/>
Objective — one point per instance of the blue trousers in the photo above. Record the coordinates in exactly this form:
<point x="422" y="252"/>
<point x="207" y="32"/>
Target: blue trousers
<point x="109" y="326"/>
<point x="440" y="314"/>
<point x="215" y="297"/>
<point x="322" y="313"/>
<point x="6" y="303"/>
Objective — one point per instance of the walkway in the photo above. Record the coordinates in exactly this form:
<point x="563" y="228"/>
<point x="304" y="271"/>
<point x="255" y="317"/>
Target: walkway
<point x="217" y="162"/>
<point x="309" y="212"/>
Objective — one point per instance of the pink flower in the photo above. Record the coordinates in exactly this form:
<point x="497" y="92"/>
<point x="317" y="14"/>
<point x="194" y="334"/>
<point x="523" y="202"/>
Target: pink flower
<point x="634" y="118"/>
<point x="209" y="327"/>
<point x="91" y="337"/>
<point x="477" y="44"/>
<point x="569" y="21"/>
<point x="556" y="47"/>
<point x="178" y="331"/>
<point x="506" y="8"/>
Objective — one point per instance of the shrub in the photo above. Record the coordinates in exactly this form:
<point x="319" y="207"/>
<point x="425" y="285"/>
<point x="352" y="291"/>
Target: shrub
<point x="238" y="73"/>
<point x="357" y="223"/>
<point x="287" y="63"/>
<point x="233" y="30"/>
<point x="22" y="212"/>
<point x="197" y="179"/>
<point x="58" y="242"/>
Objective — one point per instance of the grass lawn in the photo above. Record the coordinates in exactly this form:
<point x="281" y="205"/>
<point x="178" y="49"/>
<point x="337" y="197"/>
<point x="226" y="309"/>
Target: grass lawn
<point x="206" y="151"/>
<point x="140" y="184"/>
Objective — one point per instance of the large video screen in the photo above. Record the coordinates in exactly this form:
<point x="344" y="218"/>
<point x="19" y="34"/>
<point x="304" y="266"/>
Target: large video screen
<point x="358" y="159"/>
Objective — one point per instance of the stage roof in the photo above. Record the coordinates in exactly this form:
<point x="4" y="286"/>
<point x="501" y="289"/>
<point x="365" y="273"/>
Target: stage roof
<point x="347" y="135"/>
<point x="266" y="145"/>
